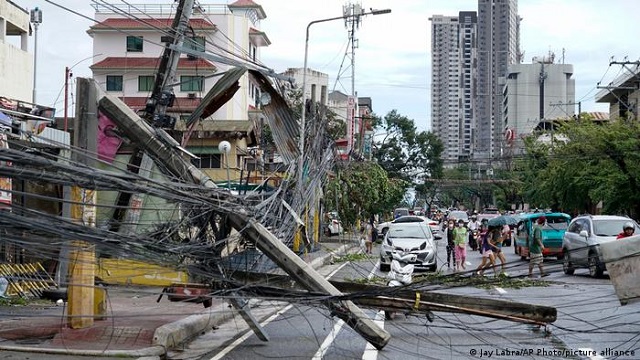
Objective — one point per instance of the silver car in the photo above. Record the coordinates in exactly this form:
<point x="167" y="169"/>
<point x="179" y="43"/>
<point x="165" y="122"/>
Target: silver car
<point x="581" y="241"/>
<point x="409" y="238"/>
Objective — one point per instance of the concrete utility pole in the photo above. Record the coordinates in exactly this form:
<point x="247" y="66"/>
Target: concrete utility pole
<point x="269" y="244"/>
<point x="82" y="258"/>
<point x="129" y="206"/>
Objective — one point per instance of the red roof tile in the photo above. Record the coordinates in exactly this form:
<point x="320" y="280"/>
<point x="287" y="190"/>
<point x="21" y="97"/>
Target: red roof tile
<point x="151" y="24"/>
<point x="149" y="63"/>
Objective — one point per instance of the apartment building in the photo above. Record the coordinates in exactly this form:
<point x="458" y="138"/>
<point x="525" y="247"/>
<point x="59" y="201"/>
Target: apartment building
<point x="453" y="83"/>
<point x="128" y="41"/>
<point x="498" y="47"/>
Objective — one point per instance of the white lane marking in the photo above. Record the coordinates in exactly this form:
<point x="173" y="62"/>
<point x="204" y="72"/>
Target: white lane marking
<point x="244" y="337"/>
<point x="500" y="290"/>
<point x="328" y="340"/>
<point x="338" y="326"/>
<point x="370" y="352"/>
<point x="591" y="351"/>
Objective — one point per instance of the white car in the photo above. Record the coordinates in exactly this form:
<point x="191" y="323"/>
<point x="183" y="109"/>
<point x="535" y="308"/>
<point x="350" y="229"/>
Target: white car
<point x="412" y="240"/>
<point x="435" y="227"/>
<point x="333" y="225"/>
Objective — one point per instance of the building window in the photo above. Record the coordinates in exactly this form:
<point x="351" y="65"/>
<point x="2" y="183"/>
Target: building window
<point x="207" y="161"/>
<point x="191" y="83"/>
<point x="134" y="43"/>
<point x="195" y="43"/>
<point x="114" y="82"/>
<point x="145" y="82"/>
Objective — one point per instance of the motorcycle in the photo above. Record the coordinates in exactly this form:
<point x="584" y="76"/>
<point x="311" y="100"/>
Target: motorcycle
<point x="474" y="240"/>
<point x="400" y="274"/>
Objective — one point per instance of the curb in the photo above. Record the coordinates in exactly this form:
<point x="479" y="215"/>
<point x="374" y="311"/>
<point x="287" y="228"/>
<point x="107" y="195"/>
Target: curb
<point x="177" y="332"/>
<point x="171" y="334"/>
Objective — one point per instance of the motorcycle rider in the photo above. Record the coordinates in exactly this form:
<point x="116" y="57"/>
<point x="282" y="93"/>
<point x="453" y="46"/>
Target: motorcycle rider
<point x="627" y="230"/>
<point x="474" y="227"/>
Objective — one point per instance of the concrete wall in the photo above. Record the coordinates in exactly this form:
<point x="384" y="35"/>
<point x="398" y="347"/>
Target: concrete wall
<point x="16" y="63"/>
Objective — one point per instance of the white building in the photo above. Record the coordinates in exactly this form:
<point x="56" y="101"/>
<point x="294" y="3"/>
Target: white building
<point x="316" y="83"/>
<point x="127" y="46"/>
<point x="16" y="63"/>
<point x="533" y="93"/>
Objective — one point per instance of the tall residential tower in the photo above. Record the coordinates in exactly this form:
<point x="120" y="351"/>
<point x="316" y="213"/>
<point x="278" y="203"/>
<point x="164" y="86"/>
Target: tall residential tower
<point x="498" y="47"/>
<point x="453" y="83"/>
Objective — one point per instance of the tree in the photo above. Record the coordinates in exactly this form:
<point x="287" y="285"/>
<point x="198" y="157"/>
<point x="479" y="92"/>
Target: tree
<point x="361" y="189"/>
<point x="408" y="154"/>
<point x="597" y="162"/>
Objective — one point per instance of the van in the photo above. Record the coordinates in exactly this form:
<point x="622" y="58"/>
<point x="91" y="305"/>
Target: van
<point x="400" y="212"/>
<point x="553" y="230"/>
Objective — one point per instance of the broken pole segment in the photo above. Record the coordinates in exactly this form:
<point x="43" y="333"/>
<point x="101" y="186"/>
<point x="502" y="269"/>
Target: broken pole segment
<point x="415" y="299"/>
<point x="307" y="277"/>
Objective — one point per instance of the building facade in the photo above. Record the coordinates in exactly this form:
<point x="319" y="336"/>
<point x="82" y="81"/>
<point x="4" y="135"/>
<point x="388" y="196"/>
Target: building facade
<point x="453" y="83"/>
<point x="533" y="93"/>
<point x="316" y="83"/>
<point x="16" y="63"/>
<point x="128" y="41"/>
<point x="498" y="47"/>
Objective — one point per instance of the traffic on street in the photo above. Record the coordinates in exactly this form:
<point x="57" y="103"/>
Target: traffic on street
<point x="590" y="323"/>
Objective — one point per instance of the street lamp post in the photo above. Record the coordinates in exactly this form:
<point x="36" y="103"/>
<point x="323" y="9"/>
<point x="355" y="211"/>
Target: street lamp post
<point x="36" y="19"/>
<point x="225" y="147"/>
<point x="304" y="80"/>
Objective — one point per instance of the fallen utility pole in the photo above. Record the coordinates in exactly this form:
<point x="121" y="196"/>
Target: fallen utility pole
<point x="410" y="299"/>
<point x="137" y="129"/>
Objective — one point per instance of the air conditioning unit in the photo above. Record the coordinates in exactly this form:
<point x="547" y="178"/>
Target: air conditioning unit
<point x="191" y="95"/>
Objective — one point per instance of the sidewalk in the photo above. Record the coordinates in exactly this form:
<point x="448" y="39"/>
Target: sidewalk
<point x="135" y="324"/>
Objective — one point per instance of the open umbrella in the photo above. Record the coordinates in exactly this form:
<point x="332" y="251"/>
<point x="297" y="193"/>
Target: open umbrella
<point x="503" y="220"/>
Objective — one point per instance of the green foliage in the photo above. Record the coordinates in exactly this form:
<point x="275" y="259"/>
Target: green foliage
<point x="597" y="162"/>
<point x="406" y="153"/>
<point x="483" y="282"/>
<point x="361" y="189"/>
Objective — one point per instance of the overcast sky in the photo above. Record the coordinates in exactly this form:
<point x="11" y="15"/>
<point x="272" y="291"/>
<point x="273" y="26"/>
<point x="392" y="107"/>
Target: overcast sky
<point x="393" y="59"/>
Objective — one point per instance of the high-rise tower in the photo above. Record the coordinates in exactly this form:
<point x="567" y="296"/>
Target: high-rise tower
<point x="453" y="49"/>
<point x="498" y="41"/>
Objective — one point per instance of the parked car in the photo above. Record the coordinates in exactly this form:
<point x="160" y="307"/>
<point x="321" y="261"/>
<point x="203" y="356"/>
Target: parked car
<point x="581" y="242"/>
<point x="553" y="231"/>
<point x="411" y="235"/>
<point x="333" y="225"/>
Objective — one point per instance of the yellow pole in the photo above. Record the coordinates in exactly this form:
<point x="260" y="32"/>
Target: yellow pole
<point x="80" y="293"/>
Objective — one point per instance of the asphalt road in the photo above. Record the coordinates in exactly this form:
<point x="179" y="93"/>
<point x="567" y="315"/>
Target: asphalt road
<point x="591" y="324"/>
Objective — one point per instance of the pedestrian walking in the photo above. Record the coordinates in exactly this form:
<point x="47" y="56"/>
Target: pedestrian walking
<point x="496" y="240"/>
<point x="536" y="247"/>
<point x="488" y="258"/>
<point x="460" y="241"/>
<point x="451" y="254"/>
